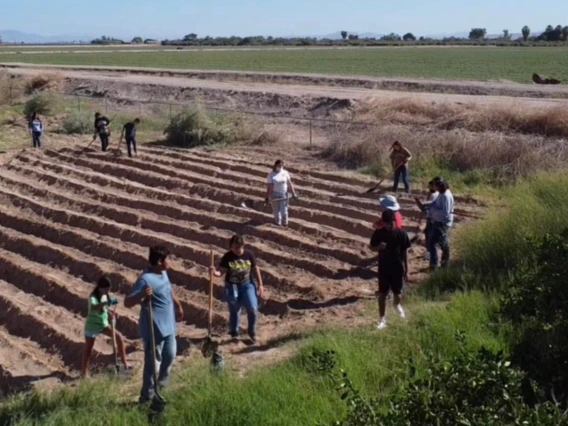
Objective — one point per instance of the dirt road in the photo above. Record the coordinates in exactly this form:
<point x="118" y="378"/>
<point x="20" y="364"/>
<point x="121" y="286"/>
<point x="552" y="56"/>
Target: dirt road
<point x="208" y="82"/>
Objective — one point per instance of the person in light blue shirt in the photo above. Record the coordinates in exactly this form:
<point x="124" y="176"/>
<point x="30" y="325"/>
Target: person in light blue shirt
<point x="35" y="127"/>
<point x="154" y="287"/>
<point x="441" y="215"/>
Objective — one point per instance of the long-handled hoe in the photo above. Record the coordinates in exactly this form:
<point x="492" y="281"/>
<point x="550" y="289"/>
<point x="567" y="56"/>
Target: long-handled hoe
<point x="158" y="402"/>
<point x="254" y="204"/>
<point x="114" y="351"/>
<point x="210" y="348"/>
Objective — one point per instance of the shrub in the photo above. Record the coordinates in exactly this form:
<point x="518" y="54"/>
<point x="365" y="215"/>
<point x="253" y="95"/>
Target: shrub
<point x="473" y="388"/>
<point x="77" y="124"/>
<point x="196" y="127"/>
<point x="43" y="104"/>
<point x="535" y="301"/>
<point x="51" y="82"/>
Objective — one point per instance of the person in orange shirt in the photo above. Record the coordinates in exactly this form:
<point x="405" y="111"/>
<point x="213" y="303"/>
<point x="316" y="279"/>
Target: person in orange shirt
<point x="389" y="202"/>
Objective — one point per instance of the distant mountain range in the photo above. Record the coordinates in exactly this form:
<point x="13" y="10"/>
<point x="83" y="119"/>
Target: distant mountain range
<point x="9" y="36"/>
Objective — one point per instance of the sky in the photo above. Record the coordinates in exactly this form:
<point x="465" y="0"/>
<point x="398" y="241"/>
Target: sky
<point x="175" y="18"/>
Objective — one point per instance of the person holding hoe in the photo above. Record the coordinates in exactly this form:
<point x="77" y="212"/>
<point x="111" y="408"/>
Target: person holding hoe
<point x="102" y="130"/>
<point x="392" y="245"/>
<point x="278" y="185"/>
<point x="400" y="156"/>
<point x="129" y="130"/>
<point x="97" y="322"/>
<point x="153" y="291"/>
<point x="239" y="266"/>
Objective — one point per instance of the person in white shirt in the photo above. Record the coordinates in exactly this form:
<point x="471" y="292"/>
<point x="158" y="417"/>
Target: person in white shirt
<point x="278" y="185"/>
<point x="431" y="198"/>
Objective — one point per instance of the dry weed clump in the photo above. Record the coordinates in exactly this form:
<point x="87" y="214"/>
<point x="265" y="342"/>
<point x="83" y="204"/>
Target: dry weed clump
<point x="10" y="89"/>
<point x="550" y="122"/>
<point x="502" y="157"/>
<point x="48" y="82"/>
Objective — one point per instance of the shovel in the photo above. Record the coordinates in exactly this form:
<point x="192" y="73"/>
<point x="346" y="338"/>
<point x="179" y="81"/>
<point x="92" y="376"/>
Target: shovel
<point x="210" y="347"/>
<point x="114" y="351"/>
<point x="158" y="402"/>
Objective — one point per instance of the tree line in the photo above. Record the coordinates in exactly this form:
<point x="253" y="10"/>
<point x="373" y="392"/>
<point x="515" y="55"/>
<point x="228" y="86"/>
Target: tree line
<point x="476" y="36"/>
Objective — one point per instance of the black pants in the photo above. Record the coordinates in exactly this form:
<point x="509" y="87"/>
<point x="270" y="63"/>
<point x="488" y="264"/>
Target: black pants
<point x="104" y="141"/>
<point x="36" y="137"/>
<point x="131" y="145"/>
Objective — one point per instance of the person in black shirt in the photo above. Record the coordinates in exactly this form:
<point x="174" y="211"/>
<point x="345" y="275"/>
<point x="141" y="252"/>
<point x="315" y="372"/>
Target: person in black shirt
<point x="102" y="129"/>
<point x="392" y="245"/>
<point x="239" y="265"/>
<point x="129" y="130"/>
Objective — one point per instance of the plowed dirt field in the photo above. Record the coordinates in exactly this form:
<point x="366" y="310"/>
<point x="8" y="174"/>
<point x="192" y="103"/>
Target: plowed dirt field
<point x="66" y="217"/>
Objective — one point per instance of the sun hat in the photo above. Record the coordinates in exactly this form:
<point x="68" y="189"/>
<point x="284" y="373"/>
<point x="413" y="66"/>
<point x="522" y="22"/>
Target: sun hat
<point x="389" y="202"/>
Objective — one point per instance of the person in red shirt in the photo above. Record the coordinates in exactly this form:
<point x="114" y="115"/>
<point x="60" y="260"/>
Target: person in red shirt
<point x="389" y="202"/>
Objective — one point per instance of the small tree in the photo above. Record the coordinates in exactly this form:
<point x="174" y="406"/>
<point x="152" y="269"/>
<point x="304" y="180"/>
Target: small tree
<point x="526" y="32"/>
<point x="344" y="35"/>
<point x="506" y="35"/>
<point x="190" y="37"/>
<point x="353" y="37"/>
<point x="409" y="37"/>
<point x="564" y="34"/>
<point x="477" y="33"/>
<point x="137" y="40"/>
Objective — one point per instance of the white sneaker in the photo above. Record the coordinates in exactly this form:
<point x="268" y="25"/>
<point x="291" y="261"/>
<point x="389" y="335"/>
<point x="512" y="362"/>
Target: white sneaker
<point x="382" y="324"/>
<point x="400" y="311"/>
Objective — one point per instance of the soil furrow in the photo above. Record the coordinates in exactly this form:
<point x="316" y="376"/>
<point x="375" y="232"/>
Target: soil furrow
<point x="224" y="215"/>
<point x="152" y="175"/>
<point x="53" y="328"/>
<point x="23" y="362"/>
<point x="56" y="287"/>
<point x="89" y="268"/>
<point x="158" y="228"/>
<point x="131" y="176"/>
<point x="192" y="230"/>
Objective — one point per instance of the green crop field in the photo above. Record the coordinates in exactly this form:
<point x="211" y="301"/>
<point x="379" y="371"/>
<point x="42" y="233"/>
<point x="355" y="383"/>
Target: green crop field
<point x="471" y="63"/>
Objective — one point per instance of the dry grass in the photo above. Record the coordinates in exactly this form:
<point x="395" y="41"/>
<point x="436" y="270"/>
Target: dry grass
<point x="499" y="156"/>
<point x="550" y="122"/>
<point x="48" y="82"/>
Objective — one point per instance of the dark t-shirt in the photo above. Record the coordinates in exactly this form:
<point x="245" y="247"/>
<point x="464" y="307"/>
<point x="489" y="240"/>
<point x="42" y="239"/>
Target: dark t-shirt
<point x="239" y="267"/>
<point x="101" y="124"/>
<point x="130" y="130"/>
<point x="391" y="259"/>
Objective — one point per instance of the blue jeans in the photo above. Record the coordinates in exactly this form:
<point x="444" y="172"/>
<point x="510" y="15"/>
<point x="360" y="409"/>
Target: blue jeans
<point x="166" y="349"/>
<point x="280" y="208"/>
<point x="246" y="296"/>
<point x="36" y="137"/>
<point x="439" y="235"/>
<point x="401" y="173"/>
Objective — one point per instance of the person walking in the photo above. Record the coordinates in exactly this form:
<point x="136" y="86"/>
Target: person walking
<point x="239" y="266"/>
<point x="400" y="156"/>
<point x="389" y="202"/>
<point x="129" y="130"/>
<point x="442" y="218"/>
<point x="97" y="322"/>
<point x="433" y="194"/>
<point x="278" y="185"/>
<point x="154" y="287"/>
<point x="392" y="245"/>
<point x="102" y="130"/>
<point x="35" y="127"/>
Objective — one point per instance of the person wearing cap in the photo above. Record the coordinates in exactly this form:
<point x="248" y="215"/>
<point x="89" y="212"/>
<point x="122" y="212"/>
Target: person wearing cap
<point x="392" y="245"/>
<point x="389" y="202"/>
<point x="400" y="156"/>
<point x="442" y="219"/>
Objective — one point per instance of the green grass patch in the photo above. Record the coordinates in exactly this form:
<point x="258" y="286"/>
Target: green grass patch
<point x="472" y="63"/>
<point x="291" y="393"/>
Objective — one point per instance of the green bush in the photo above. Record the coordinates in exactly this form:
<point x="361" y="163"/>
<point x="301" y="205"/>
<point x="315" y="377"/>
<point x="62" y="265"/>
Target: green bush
<point x="43" y="104"/>
<point x="195" y="127"/>
<point x="77" y="124"/>
<point x="472" y="388"/>
<point x="535" y="301"/>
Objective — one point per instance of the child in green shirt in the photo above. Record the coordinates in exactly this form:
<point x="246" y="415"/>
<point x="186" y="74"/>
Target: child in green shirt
<point x="97" y="322"/>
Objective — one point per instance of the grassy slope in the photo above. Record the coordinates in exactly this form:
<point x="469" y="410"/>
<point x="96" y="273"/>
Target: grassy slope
<point x="489" y="63"/>
<point x="286" y="394"/>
